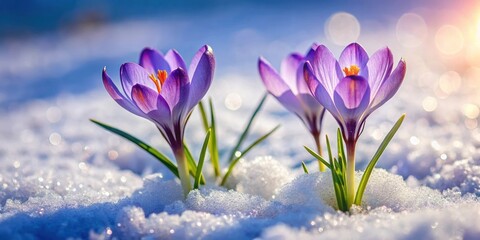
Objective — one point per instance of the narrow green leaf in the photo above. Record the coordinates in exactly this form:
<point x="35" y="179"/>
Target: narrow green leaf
<point x="201" y="160"/>
<point x="203" y="116"/>
<point x="329" y="149"/>
<point x="343" y="169"/>
<point x="334" y="175"/>
<point x="243" y="153"/>
<point x="247" y="129"/>
<point x="340" y="145"/>
<point x="305" y="170"/>
<point x="338" y="189"/>
<point x="373" y="162"/>
<point x="338" y="181"/>
<point x="318" y="157"/>
<point x="213" y="143"/>
<point x="192" y="166"/>
<point x="159" y="156"/>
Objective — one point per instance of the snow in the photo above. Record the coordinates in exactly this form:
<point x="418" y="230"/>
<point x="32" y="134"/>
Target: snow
<point x="63" y="177"/>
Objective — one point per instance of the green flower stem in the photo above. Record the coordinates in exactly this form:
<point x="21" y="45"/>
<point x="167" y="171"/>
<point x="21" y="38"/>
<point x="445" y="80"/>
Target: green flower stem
<point x="183" y="170"/>
<point x="350" y="177"/>
<point x="316" y="137"/>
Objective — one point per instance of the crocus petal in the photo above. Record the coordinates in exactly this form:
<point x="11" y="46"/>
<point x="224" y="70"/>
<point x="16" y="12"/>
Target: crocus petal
<point x="319" y="91"/>
<point x="277" y="87"/>
<point x="353" y="54"/>
<point x="132" y="74"/>
<point x="289" y="70"/>
<point x="152" y="104"/>
<point x="176" y="89"/>
<point x="309" y="102"/>
<point x="311" y="52"/>
<point x="175" y="60"/>
<point x="145" y="98"/>
<point x="326" y="69"/>
<point x="201" y="70"/>
<point x="352" y="97"/>
<point x="270" y="78"/>
<point x="117" y="96"/>
<point x="152" y="61"/>
<point x="301" y="84"/>
<point x="379" y="68"/>
<point x="390" y="86"/>
<point x="162" y="114"/>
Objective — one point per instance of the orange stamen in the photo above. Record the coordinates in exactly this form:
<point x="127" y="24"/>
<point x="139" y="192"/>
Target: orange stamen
<point x="352" y="70"/>
<point x="159" y="79"/>
<point x="162" y="76"/>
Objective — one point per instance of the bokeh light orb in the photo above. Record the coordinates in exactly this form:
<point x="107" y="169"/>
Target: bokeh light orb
<point x="411" y="30"/>
<point x="450" y="82"/>
<point x="429" y="104"/>
<point x="449" y="40"/>
<point x="233" y="101"/>
<point x="342" y="28"/>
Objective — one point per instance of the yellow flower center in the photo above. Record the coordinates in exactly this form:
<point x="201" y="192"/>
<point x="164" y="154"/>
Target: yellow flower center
<point x="159" y="79"/>
<point x="352" y="70"/>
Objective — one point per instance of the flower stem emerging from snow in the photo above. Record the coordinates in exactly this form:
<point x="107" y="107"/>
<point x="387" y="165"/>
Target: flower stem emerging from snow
<point x="183" y="170"/>
<point x="343" y="170"/>
<point x="350" y="174"/>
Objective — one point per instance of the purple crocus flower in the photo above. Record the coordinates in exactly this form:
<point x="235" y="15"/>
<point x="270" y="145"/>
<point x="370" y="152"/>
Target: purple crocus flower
<point x="352" y="88"/>
<point x="290" y="89"/>
<point x="161" y="90"/>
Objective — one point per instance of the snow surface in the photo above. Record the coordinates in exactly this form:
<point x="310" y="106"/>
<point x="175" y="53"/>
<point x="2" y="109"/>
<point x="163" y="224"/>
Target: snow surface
<point x="63" y="177"/>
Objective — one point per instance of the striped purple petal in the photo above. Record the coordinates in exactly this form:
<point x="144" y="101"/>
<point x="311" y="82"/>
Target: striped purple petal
<point x="201" y="72"/>
<point x="352" y="97"/>
<point x="271" y="79"/>
<point x="289" y="70"/>
<point x="176" y="89"/>
<point x="132" y="74"/>
<point x="311" y="52"/>
<point x="379" y="69"/>
<point x="145" y="98"/>
<point x="354" y="54"/>
<point x="326" y="68"/>
<point x="175" y="60"/>
<point x="277" y="87"/>
<point x="319" y="91"/>
<point x="162" y="114"/>
<point x="390" y="86"/>
<point x="152" y="105"/>
<point x="176" y="92"/>
<point x="152" y="61"/>
<point x="117" y="96"/>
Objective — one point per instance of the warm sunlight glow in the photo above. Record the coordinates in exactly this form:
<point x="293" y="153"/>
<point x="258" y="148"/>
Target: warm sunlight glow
<point x="478" y="29"/>
<point x="449" y="39"/>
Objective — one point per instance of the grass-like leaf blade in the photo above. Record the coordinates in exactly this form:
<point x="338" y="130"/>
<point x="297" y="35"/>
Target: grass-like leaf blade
<point x="162" y="158"/>
<point x="340" y="146"/>
<point x="201" y="160"/>
<point x="305" y="170"/>
<point x="368" y="171"/>
<point x="203" y="115"/>
<point x="318" y="157"/>
<point x="247" y="129"/>
<point x="243" y="153"/>
<point x="339" y="187"/>
<point x="213" y="143"/>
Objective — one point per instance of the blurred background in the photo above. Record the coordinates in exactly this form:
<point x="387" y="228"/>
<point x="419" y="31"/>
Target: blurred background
<point x="49" y="48"/>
